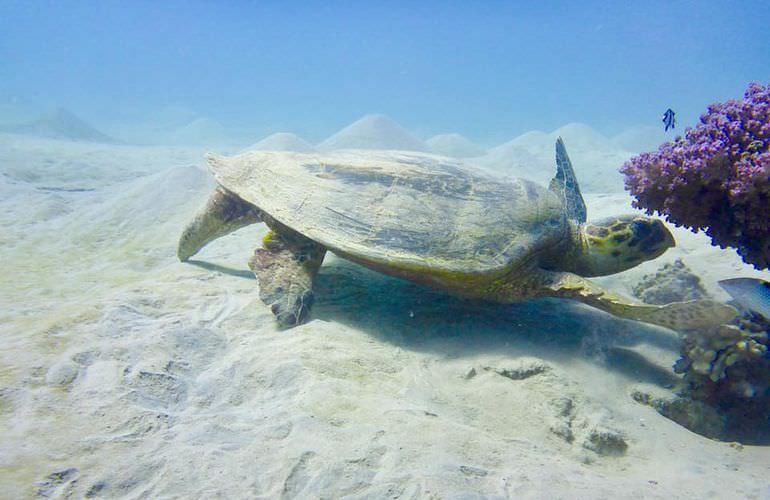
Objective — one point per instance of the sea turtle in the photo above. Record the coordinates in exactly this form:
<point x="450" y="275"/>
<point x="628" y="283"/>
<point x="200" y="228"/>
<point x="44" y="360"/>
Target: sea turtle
<point x="431" y="220"/>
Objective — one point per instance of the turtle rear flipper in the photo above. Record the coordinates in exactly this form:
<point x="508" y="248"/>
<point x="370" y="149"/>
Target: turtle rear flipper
<point x="689" y="315"/>
<point x="286" y="267"/>
<point x="224" y="213"/>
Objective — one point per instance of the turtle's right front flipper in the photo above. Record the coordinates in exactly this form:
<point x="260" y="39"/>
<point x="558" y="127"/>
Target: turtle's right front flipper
<point x="689" y="315"/>
<point x="223" y="214"/>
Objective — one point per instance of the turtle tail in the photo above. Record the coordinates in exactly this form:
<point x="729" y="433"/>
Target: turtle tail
<point x="224" y="213"/>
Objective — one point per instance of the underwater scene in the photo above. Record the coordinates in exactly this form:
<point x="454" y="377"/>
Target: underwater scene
<point x="402" y="250"/>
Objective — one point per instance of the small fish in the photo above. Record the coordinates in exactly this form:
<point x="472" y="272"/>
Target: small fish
<point x="669" y="119"/>
<point x="750" y="293"/>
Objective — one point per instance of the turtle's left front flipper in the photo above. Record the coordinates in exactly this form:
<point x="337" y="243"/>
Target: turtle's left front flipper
<point x="224" y="213"/>
<point x="678" y="316"/>
<point x="286" y="267"/>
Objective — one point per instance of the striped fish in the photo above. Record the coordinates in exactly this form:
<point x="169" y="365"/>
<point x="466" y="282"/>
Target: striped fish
<point x="750" y="293"/>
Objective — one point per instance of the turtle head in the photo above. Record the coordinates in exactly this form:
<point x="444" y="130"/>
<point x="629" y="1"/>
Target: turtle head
<point x="618" y="243"/>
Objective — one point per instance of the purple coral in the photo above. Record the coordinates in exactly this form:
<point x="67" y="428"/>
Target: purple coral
<point x="716" y="178"/>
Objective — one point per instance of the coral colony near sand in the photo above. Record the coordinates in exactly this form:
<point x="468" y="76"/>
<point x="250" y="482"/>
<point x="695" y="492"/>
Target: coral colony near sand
<point x="673" y="282"/>
<point x="725" y="389"/>
<point x="728" y="369"/>
<point x="716" y="178"/>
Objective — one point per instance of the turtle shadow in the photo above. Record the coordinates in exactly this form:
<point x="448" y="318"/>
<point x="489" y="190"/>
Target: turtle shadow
<point x="419" y="318"/>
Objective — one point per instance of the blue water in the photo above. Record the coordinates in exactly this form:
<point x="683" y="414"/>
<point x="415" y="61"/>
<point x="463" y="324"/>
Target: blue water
<point x="489" y="71"/>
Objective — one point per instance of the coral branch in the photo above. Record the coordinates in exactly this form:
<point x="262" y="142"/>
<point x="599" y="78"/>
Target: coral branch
<point x="716" y="178"/>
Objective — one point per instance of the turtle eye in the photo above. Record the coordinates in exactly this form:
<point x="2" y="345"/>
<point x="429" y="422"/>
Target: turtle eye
<point x="641" y="229"/>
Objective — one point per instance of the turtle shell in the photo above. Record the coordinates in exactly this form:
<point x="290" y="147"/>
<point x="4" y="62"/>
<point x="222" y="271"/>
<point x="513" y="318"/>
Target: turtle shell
<point x="396" y="209"/>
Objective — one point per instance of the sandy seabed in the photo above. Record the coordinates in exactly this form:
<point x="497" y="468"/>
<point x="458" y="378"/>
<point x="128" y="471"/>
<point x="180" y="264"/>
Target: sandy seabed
<point x="125" y="373"/>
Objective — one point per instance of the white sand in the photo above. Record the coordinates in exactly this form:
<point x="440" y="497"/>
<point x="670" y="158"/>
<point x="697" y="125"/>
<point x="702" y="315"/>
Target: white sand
<point x="127" y="374"/>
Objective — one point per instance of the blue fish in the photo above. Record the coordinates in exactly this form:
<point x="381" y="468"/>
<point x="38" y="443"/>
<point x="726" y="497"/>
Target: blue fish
<point x="669" y="119"/>
<point x="750" y="293"/>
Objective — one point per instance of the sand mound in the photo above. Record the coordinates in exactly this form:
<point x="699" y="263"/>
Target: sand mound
<point x="60" y="124"/>
<point x="524" y="156"/>
<point x="282" y="141"/>
<point x="373" y="132"/>
<point x="595" y="158"/>
<point x="203" y="132"/>
<point x="584" y="137"/>
<point x="454" y="145"/>
<point x="171" y="117"/>
<point x="58" y="164"/>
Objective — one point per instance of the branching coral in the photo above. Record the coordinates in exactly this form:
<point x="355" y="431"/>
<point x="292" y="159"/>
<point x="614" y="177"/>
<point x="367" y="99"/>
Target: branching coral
<point x="716" y="178"/>
<point x="711" y="353"/>
<point x="728" y="369"/>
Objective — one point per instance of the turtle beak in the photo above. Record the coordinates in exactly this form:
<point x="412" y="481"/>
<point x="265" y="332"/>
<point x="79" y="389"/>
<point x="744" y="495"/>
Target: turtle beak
<point x="661" y="233"/>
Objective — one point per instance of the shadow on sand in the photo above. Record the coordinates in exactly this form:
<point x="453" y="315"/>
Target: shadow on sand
<point x="423" y="319"/>
<point x="419" y="318"/>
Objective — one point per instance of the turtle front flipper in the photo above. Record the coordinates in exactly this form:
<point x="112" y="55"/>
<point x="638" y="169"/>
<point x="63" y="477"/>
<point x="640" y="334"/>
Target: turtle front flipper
<point x="690" y="315"/>
<point x="224" y="213"/>
<point x="286" y="267"/>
